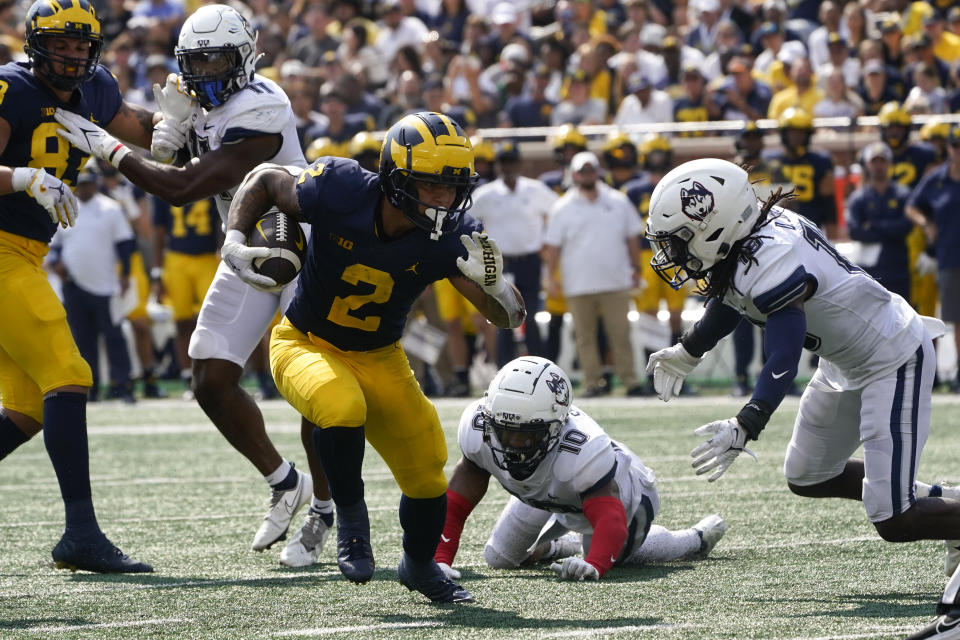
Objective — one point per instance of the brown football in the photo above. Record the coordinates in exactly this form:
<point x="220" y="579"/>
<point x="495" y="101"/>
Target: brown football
<point x="287" y="243"/>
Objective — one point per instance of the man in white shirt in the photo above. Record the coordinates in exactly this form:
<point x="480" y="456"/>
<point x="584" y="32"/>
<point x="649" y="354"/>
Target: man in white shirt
<point x="593" y="236"/>
<point x="85" y="257"/>
<point x="514" y="210"/>
<point x="397" y="30"/>
<point x="643" y="103"/>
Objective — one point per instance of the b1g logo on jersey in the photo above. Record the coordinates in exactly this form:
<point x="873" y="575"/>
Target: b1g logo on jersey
<point x="696" y="202"/>
<point x="558" y="386"/>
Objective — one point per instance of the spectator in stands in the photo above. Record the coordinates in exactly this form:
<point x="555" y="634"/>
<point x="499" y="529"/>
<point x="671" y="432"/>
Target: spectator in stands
<point x="946" y="44"/>
<point x="927" y="88"/>
<point x="876" y="220"/>
<point x="804" y="93"/>
<point x="771" y="38"/>
<point x="891" y="37"/>
<point x="593" y="237"/>
<point x="953" y="20"/>
<point x="309" y="49"/>
<point x="853" y="25"/>
<point x="579" y="108"/>
<point x="340" y="126"/>
<point x="676" y="57"/>
<point x="358" y="101"/>
<point x="85" y="256"/>
<point x="408" y="98"/>
<point x="532" y="109"/>
<point x="396" y="30"/>
<point x="514" y="210"/>
<point x="303" y="102"/>
<point x="692" y="105"/>
<point x="839" y="100"/>
<point x="703" y="33"/>
<point x="727" y="45"/>
<point x="355" y="46"/>
<point x="505" y="20"/>
<point x="450" y="20"/>
<point x="921" y="50"/>
<point x="643" y="103"/>
<point x="829" y="18"/>
<point x="874" y="90"/>
<point x="740" y="96"/>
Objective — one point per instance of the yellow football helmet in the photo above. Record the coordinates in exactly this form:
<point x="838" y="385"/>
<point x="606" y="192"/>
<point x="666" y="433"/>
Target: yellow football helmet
<point x="427" y="147"/>
<point x="619" y="151"/>
<point x="894" y="124"/>
<point x="365" y="149"/>
<point x="656" y="153"/>
<point x="568" y="139"/>
<point x="65" y="19"/>
<point x="482" y="150"/>
<point x="934" y="129"/>
<point x="320" y="147"/>
<point x="799" y="119"/>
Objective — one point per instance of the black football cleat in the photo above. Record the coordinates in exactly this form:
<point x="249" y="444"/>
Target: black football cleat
<point x="429" y="579"/>
<point x="355" y="559"/>
<point x="945" y="627"/>
<point x="97" y="554"/>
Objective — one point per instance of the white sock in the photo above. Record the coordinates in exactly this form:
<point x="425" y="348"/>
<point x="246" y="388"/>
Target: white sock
<point x="279" y="474"/>
<point x="321" y="506"/>
<point x="663" y="545"/>
<point x="921" y="489"/>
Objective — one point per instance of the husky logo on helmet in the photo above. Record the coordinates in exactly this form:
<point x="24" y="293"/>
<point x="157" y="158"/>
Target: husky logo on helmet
<point x="559" y="387"/>
<point x="65" y="19"/>
<point x="217" y="53"/>
<point x="427" y="148"/>
<point x="696" y="202"/>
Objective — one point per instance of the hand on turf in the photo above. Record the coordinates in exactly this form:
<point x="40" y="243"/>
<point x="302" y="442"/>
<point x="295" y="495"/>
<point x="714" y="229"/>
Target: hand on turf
<point x="670" y="367"/>
<point x="726" y="440"/>
<point x="239" y="257"/>
<point x="576" y="569"/>
<point x="450" y="572"/>
<point x="484" y="262"/>
<point x="49" y="192"/>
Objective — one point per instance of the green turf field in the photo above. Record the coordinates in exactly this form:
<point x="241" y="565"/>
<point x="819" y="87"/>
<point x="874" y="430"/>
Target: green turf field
<point x="170" y="491"/>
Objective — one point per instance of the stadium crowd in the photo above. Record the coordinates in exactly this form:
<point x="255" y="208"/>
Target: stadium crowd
<point x="354" y="67"/>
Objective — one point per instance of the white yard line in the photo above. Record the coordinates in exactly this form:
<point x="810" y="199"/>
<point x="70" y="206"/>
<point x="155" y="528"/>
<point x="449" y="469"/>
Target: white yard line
<point x="630" y="628"/>
<point x="108" y="625"/>
<point x="329" y="631"/>
<point x="871" y="634"/>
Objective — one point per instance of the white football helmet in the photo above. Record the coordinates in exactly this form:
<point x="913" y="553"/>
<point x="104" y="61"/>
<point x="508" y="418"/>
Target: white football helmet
<point x="524" y="409"/>
<point x="697" y="212"/>
<point x="217" y="53"/>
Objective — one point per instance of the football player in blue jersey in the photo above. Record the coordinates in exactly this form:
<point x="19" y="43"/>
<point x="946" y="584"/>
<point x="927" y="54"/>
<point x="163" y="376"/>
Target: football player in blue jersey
<point x="43" y="378"/>
<point x="378" y="240"/>
<point x="810" y="172"/>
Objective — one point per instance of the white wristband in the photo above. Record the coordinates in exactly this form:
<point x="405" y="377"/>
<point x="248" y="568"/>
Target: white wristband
<point x="233" y="235"/>
<point x="22" y="177"/>
<point x="118" y="153"/>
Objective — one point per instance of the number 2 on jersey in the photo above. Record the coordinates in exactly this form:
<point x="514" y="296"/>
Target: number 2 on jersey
<point x="382" y="288"/>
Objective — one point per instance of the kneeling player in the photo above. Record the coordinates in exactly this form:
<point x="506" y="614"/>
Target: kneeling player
<point x="559" y="465"/>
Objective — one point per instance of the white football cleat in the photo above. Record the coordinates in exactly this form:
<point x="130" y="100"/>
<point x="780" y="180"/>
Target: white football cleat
<point x="710" y="530"/>
<point x="306" y="544"/>
<point x="283" y="504"/>
<point x="945" y="627"/>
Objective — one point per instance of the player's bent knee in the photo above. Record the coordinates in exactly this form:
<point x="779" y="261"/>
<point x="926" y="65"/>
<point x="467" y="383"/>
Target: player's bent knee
<point x="497" y="560"/>
<point x="899" y="528"/>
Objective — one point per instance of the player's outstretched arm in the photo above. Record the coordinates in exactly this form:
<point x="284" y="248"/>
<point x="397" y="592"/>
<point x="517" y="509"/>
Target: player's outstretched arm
<point x="483" y="283"/>
<point x="468" y="484"/>
<point x="605" y="511"/>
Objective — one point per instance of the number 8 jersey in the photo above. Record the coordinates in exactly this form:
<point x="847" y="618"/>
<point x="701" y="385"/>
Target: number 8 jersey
<point x="28" y="107"/>
<point x="858" y="328"/>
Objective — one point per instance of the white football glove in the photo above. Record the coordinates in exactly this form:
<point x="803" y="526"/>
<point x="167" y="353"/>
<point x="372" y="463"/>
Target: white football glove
<point x="576" y="569"/>
<point x="49" y="192"/>
<point x="484" y="263"/>
<point x="169" y="137"/>
<point x="450" y="572"/>
<point x="925" y="264"/>
<point x="670" y="367"/>
<point x="720" y="450"/>
<point x="90" y="138"/>
<point x="177" y="102"/>
<point x="239" y="257"/>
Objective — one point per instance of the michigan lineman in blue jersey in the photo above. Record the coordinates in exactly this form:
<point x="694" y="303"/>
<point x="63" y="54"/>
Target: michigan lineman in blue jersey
<point x="242" y="119"/>
<point x="873" y="383"/>
<point x="377" y="242"/>
<point x="43" y="378"/>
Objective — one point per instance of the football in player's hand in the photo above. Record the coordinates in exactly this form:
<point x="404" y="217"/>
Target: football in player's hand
<point x="288" y="246"/>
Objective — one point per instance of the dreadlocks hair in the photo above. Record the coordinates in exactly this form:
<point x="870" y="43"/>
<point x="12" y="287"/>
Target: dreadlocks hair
<point x="718" y="280"/>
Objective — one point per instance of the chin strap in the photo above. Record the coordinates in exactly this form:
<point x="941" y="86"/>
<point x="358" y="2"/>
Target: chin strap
<point x="438" y="218"/>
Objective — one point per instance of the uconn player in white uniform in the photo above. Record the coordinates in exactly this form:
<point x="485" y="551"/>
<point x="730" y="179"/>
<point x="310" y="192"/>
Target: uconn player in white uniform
<point x="228" y="120"/>
<point x="565" y="474"/>
<point x="874" y="379"/>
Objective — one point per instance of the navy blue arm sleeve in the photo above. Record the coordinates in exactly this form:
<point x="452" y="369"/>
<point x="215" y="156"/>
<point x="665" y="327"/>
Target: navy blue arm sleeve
<point x="718" y="320"/>
<point x="124" y="250"/>
<point x="783" y="343"/>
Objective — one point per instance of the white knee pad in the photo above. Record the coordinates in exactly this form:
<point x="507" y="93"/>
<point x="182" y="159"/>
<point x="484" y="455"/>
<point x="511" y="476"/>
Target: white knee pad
<point x="516" y="529"/>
